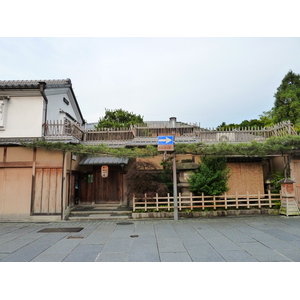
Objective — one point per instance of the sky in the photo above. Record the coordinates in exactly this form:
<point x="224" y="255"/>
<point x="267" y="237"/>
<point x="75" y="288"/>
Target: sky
<point x="201" y="64"/>
<point x="197" y="80"/>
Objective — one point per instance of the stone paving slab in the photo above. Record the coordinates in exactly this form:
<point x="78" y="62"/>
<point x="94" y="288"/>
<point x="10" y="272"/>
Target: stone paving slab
<point x="84" y="253"/>
<point x="231" y="239"/>
<point x="263" y="253"/>
<point x="175" y="257"/>
<point x="205" y="255"/>
<point x="112" y="257"/>
<point x="237" y="256"/>
<point x="144" y="256"/>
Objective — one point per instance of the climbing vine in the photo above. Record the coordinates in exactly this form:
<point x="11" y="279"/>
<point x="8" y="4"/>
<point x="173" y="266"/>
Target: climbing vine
<point x="89" y="150"/>
<point x="272" y="146"/>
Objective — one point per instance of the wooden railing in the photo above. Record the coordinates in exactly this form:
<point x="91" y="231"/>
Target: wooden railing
<point x="60" y="129"/>
<point x="141" y="133"/>
<point x="109" y="134"/>
<point x="190" y="202"/>
<point x="246" y="134"/>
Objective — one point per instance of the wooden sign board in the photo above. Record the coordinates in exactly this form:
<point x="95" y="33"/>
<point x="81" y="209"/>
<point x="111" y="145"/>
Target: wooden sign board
<point x="165" y="147"/>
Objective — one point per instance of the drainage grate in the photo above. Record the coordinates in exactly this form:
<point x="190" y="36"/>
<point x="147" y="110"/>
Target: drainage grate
<point x="134" y="236"/>
<point x="75" y="237"/>
<point x="62" y="229"/>
<point x="124" y="223"/>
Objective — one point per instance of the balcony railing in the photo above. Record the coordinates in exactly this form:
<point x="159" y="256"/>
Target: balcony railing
<point x="62" y="130"/>
<point x="141" y="135"/>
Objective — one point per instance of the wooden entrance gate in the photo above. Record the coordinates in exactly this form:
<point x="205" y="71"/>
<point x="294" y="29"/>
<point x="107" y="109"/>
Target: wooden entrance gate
<point x="98" y="190"/>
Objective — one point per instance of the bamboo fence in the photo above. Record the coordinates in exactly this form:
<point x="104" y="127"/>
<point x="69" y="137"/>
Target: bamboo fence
<point x="191" y="202"/>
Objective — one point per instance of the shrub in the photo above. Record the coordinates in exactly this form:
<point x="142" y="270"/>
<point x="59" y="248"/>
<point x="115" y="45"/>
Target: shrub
<point x="211" y="177"/>
<point x="144" y="177"/>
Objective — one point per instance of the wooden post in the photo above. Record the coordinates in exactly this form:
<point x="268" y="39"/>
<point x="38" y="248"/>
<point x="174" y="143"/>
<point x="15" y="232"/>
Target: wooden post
<point x="33" y="181"/>
<point x="248" y="206"/>
<point x="259" y="204"/>
<point x="179" y="200"/>
<point x="145" y="202"/>
<point x="175" y="188"/>
<point x="168" y="201"/>
<point x="270" y="199"/>
<point x="191" y="200"/>
<point x="156" y="202"/>
<point x="202" y="201"/>
<point x="214" y="201"/>
<point x="225" y="199"/>
<point x="133" y="203"/>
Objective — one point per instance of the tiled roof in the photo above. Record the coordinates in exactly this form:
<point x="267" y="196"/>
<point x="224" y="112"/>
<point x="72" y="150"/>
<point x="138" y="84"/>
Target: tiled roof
<point x="104" y="160"/>
<point x="34" y="83"/>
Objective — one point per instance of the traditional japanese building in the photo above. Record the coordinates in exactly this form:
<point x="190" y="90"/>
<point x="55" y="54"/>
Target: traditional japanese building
<point x="45" y="183"/>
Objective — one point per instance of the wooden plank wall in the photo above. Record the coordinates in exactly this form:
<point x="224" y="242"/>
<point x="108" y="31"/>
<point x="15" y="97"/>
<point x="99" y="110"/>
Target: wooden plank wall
<point x="15" y="191"/>
<point x="47" y="192"/>
<point x="30" y="182"/>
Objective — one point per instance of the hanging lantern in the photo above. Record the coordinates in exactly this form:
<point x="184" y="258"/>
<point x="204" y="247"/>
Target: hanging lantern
<point x="104" y="171"/>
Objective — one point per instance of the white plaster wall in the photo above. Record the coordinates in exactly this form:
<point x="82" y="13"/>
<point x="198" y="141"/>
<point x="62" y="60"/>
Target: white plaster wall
<point x="24" y="117"/>
<point x="56" y="103"/>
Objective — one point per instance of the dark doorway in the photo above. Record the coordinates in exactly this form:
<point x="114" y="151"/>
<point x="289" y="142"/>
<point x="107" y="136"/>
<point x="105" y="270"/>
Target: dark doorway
<point x="96" y="189"/>
<point x="108" y="190"/>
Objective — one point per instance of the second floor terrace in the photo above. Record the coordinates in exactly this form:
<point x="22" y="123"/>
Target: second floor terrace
<point x="147" y="134"/>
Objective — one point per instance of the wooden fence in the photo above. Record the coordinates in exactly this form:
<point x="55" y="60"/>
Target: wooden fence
<point x="245" y="134"/>
<point x="61" y="129"/>
<point x="191" y="202"/>
<point x="141" y="133"/>
<point x="109" y="134"/>
<point x="144" y="132"/>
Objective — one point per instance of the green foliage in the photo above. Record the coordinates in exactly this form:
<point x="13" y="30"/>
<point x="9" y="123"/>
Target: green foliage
<point x="273" y="145"/>
<point x="166" y="176"/>
<point x="119" y="118"/>
<point x="287" y="99"/>
<point x="265" y="120"/>
<point x="101" y="149"/>
<point x="211" y="177"/>
<point x="275" y="178"/>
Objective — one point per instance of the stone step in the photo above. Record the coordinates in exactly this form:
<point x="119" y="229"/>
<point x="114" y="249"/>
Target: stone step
<point x="99" y="212"/>
<point x="104" y="211"/>
<point x="98" y="217"/>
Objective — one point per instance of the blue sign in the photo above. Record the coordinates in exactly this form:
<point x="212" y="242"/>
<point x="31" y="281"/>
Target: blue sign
<point x="165" y="140"/>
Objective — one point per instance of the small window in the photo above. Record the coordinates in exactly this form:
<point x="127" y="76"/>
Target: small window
<point x="66" y="101"/>
<point x="3" y="113"/>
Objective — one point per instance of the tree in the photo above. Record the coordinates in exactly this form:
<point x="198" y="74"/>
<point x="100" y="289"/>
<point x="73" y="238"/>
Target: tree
<point x="267" y="118"/>
<point x="211" y="177"/>
<point x="119" y="118"/>
<point x="143" y="177"/>
<point x="264" y="121"/>
<point x="287" y="99"/>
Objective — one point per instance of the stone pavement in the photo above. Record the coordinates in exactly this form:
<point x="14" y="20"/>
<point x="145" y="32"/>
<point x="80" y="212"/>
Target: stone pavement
<point x="226" y="239"/>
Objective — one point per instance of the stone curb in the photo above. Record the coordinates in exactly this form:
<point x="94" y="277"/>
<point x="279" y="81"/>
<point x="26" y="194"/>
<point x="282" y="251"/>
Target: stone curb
<point x="209" y="214"/>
